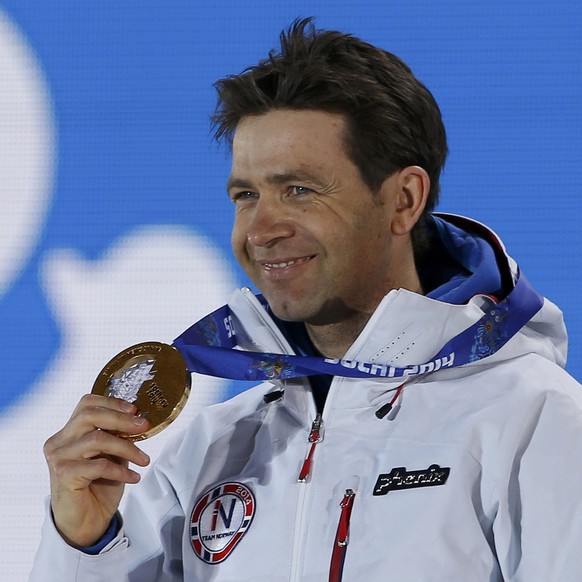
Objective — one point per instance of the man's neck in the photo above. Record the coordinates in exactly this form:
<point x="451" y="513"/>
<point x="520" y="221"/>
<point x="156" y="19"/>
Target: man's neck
<point x="333" y="340"/>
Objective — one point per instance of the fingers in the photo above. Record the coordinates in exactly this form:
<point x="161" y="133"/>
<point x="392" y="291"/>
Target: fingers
<point x="98" y="443"/>
<point x="90" y="435"/>
<point x="77" y="475"/>
<point x="105" y="413"/>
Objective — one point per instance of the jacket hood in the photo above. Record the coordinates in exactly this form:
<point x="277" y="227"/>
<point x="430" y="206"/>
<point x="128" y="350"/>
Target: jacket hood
<point x="485" y="268"/>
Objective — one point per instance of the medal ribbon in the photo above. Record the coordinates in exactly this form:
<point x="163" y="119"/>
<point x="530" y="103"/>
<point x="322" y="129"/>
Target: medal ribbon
<point x="208" y="346"/>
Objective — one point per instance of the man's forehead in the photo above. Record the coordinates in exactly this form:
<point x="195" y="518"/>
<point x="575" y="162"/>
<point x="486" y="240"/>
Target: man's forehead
<point x="284" y="145"/>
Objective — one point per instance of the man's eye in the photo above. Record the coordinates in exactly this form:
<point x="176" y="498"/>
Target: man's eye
<point x="300" y="190"/>
<point x="241" y="196"/>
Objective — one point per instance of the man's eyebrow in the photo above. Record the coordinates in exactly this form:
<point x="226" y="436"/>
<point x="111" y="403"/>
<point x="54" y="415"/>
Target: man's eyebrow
<point x="234" y="182"/>
<point x="279" y="178"/>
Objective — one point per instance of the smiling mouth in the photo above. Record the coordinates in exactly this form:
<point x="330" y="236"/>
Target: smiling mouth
<point x="285" y="264"/>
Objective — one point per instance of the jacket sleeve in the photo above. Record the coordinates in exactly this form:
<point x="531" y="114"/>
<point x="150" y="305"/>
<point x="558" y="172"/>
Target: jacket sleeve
<point x="56" y="560"/>
<point x="538" y="528"/>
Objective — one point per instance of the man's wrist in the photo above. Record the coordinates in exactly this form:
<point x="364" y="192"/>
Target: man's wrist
<point x="109" y="535"/>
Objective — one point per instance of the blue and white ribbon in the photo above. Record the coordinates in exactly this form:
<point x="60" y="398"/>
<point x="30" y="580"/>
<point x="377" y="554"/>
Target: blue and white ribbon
<point x="208" y="346"/>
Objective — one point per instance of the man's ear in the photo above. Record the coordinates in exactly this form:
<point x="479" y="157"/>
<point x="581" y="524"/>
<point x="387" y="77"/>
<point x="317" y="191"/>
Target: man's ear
<point x="412" y="186"/>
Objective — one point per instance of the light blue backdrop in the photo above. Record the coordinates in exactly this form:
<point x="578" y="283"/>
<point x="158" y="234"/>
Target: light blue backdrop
<point x="128" y="175"/>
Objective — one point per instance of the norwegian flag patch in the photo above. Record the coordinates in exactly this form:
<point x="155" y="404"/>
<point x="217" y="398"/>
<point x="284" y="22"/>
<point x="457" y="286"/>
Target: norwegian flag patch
<point x="220" y="519"/>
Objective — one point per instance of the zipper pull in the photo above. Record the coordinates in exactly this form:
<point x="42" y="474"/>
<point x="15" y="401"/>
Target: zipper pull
<point x="342" y="535"/>
<point x="315" y="436"/>
<point x="343" y="528"/>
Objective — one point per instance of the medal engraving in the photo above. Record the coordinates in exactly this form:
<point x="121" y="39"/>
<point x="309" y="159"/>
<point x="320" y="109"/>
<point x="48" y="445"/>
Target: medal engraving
<point x="126" y="384"/>
<point x="154" y="377"/>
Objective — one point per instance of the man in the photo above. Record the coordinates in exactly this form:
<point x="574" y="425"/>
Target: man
<point x="440" y="438"/>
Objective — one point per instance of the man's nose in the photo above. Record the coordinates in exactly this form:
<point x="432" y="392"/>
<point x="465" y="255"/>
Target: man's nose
<point x="270" y="224"/>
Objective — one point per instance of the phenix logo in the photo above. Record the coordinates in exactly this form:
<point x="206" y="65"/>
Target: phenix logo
<point x="127" y="384"/>
<point x="399" y="478"/>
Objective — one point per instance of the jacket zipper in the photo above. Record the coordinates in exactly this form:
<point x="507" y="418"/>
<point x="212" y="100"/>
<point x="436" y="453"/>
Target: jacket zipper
<point x="304" y="503"/>
<point x="340" y="545"/>
<point x="315" y="437"/>
<point x="304" y="497"/>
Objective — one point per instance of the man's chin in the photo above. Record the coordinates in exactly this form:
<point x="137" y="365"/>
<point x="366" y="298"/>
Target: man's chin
<point x="311" y="313"/>
<point x="290" y="315"/>
<point x="289" y="309"/>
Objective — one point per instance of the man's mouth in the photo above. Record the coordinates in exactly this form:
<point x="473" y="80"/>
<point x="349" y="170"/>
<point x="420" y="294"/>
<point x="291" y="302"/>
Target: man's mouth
<point x="284" y="264"/>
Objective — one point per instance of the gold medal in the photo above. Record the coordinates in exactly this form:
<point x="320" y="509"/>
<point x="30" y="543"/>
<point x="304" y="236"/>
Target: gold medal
<point x="151" y="375"/>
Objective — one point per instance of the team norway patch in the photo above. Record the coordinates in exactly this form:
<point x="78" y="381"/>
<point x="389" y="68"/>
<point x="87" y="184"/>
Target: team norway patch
<point x="220" y="519"/>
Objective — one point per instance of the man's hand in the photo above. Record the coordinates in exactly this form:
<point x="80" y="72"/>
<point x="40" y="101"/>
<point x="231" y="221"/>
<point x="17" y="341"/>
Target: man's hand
<point x="88" y="466"/>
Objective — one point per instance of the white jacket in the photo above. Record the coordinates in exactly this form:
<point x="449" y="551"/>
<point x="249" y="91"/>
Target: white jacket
<point x="477" y="470"/>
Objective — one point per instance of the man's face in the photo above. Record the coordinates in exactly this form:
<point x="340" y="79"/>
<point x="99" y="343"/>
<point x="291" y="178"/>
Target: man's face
<point x="308" y="231"/>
